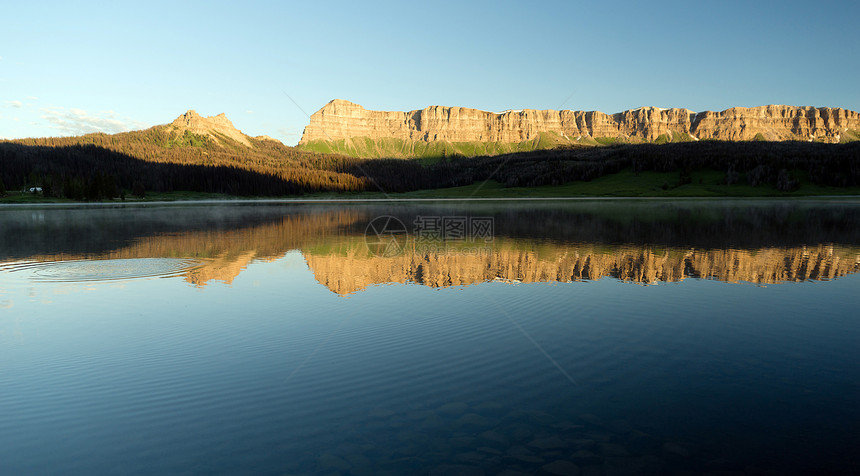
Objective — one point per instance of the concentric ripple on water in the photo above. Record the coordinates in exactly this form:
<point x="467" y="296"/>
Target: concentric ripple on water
<point x="102" y="269"/>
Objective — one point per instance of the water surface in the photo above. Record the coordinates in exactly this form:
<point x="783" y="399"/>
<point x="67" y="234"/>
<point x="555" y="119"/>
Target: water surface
<point x="617" y="337"/>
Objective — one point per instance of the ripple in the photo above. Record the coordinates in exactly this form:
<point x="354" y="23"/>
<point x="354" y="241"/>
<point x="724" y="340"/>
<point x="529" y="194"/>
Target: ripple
<point x="88" y="270"/>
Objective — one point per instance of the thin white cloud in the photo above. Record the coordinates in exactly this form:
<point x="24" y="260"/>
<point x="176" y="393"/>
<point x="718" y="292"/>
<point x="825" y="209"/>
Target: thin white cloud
<point x="15" y="104"/>
<point x="32" y="98"/>
<point x="78" y="121"/>
<point x="249" y="112"/>
<point x="290" y="132"/>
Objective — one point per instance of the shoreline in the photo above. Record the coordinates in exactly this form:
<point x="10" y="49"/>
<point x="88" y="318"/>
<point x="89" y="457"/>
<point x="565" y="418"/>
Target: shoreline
<point x="292" y="201"/>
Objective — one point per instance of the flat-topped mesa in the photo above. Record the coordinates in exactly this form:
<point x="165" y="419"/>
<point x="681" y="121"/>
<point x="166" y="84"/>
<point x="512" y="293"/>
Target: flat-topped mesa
<point x="343" y="120"/>
<point x="211" y="126"/>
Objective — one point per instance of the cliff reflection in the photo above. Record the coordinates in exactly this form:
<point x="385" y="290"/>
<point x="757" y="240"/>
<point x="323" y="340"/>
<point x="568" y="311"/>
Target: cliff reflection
<point x="552" y="244"/>
<point x="345" y="274"/>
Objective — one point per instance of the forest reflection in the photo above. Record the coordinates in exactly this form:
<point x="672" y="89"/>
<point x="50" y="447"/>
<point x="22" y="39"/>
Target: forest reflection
<point x="643" y="243"/>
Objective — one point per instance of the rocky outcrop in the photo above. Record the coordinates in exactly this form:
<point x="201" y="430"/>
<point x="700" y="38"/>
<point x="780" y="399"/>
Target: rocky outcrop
<point x="216" y="127"/>
<point x="343" y="120"/>
<point x="265" y="137"/>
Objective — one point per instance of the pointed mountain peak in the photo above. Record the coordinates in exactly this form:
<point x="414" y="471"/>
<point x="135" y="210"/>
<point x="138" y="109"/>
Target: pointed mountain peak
<point x="213" y="126"/>
<point x="189" y="115"/>
<point x="341" y="104"/>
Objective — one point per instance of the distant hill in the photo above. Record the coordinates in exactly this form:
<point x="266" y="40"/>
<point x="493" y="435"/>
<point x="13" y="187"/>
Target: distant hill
<point x="192" y="153"/>
<point x="347" y="128"/>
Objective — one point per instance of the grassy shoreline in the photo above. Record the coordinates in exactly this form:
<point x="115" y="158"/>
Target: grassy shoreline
<point x="624" y="184"/>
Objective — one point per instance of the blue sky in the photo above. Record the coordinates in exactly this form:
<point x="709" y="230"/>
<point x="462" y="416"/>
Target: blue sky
<point x="72" y="67"/>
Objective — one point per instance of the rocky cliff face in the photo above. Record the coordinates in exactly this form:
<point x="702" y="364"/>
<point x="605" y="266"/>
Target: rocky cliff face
<point x="340" y="119"/>
<point x="211" y="126"/>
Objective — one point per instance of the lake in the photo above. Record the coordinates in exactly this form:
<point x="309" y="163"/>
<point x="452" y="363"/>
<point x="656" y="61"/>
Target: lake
<point x="593" y="337"/>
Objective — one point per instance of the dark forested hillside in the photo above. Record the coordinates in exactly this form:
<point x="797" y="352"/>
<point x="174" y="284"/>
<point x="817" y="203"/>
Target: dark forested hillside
<point x="774" y="163"/>
<point x="780" y="164"/>
<point x="157" y="160"/>
<point x="98" y="166"/>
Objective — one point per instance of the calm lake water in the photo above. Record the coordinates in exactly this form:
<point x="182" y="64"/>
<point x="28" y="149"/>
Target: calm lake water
<point x="578" y="337"/>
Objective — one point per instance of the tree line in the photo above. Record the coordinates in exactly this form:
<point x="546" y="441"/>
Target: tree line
<point x="758" y="163"/>
<point x="99" y="166"/>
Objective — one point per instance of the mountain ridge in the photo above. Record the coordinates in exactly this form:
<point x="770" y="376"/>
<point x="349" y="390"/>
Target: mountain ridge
<point x="342" y="120"/>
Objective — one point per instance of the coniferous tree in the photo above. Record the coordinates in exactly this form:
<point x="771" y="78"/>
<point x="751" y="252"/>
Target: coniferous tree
<point x="138" y="189"/>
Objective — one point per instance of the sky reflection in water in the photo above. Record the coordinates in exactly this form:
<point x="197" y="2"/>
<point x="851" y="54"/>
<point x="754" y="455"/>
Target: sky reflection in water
<point x="274" y="344"/>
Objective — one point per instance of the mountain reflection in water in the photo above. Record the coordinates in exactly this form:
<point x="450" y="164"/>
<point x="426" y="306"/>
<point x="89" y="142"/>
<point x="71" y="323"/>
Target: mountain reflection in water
<point x="640" y="242"/>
